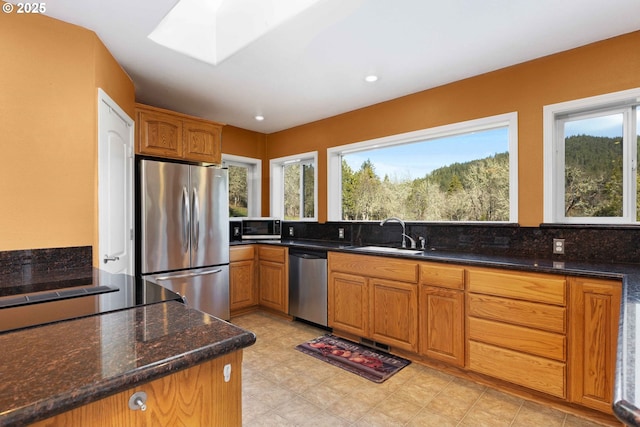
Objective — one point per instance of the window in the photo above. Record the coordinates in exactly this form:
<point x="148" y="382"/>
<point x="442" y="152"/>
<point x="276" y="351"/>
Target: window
<point x="460" y="172"/>
<point x="244" y="185"/>
<point x="591" y="149"/>
<point x="294" y="194"/>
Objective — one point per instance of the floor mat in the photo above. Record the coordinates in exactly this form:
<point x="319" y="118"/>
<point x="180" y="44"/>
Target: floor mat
<point x="374" y="365"/>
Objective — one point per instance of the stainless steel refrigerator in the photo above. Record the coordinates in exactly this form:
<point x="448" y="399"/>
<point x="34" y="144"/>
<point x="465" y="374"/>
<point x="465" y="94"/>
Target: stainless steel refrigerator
<point x="184" y="242"/>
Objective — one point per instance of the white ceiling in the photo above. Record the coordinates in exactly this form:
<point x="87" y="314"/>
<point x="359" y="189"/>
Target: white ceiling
<point x="312" y="67"/>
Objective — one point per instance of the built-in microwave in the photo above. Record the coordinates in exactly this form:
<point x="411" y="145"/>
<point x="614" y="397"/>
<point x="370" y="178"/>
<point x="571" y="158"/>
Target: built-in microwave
<point x="255" y="228"/>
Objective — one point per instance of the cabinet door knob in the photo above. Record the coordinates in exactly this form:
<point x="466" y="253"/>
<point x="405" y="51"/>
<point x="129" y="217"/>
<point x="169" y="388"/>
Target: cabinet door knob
<point x="138" y="401"/>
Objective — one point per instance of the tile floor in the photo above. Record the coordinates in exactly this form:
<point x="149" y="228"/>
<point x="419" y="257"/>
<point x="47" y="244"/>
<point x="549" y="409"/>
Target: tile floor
<point x="284" y="387"/>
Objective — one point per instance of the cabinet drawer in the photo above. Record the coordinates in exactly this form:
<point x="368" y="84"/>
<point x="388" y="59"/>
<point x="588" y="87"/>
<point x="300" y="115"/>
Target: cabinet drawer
<point x="538" y="373"/>
<point x="274" y="254"/>
<point x="241" y="253"/>
<point x="443" y="276"/>
<point x="531" y="341"/>
<point x="534" y="315"/>
<point x="374" y="266"/>
<point x="531" y="287"/>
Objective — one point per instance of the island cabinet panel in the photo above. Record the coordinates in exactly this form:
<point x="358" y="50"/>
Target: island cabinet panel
<point x="164" y="133"/>
<point x="394" y="313"/>
<point x="595" y="311"/>
<point x="516" y="328"/>
<point x="441" y="315"/>
<point x="273" y="276"/>
<point x="242" y="283"/>
<point x="197" y="396"/>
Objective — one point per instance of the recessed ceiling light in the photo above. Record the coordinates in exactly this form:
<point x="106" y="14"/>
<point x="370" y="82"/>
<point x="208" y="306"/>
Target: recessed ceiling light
<point x="259" y="118"/>
<point x="371" y="78"/>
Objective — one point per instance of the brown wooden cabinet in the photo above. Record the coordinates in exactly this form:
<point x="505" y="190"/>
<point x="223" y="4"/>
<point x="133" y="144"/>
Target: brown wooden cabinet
<point x="243" y="293"/>
<point x="516" y="328"/>
<point x="273" y="276"/>
<point x="442" y="312"/>
<point x="348" y="303"/>
<point x="374" y="297"/>
<point x="551" y="333"/>
<point x="197" y="396"/>
<point x="164" y="133"/>
<point x="595" y="309"/>
<point x="394" y="313"/>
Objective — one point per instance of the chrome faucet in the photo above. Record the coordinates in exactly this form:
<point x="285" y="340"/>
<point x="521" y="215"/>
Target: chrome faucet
<point x="404" y="234"/>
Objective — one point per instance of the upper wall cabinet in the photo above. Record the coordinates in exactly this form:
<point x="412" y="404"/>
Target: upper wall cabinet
<point x="164" y="133"/>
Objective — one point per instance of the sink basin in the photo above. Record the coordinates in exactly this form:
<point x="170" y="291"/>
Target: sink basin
<point x="385" y="249"/>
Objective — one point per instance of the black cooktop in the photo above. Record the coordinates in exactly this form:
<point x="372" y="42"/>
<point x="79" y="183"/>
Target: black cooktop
<point x="64" y="300"/>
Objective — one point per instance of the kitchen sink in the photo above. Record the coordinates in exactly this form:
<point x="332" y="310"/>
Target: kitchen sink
<point x="388" y="250"/>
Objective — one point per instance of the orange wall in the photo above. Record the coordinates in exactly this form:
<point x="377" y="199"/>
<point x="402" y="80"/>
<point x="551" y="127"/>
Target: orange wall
<point x="48" y="123"/>
<point x="603" y="67"/>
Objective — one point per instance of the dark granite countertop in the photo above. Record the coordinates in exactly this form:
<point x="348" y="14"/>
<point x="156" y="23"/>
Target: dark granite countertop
<point x="626" y="405"/>
<point x="53" y="368"/>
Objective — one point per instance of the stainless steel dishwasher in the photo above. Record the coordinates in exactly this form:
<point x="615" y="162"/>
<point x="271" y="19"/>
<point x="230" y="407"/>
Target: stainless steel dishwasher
<point x="308" y="285"/>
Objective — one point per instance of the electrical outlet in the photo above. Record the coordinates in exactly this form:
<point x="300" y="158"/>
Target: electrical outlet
<point x="340" y="233"/>
<point x="558" y="246"/>
<point x="290" y="231"/>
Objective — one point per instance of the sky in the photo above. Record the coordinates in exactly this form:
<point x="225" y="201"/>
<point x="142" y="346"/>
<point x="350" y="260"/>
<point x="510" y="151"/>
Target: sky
<point x="415" y="160"/>
<point x="609" y="126"/>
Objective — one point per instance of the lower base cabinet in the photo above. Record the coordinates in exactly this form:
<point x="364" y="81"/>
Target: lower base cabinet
<point x="243" y="292"/>
<point x="516" y="328"/>
<point x="197" y="396"/>
<point x="348" y="303"/>
<point x="442" y="327"/>
<point x="595" y="306"/>
<point x="374" y="298"/>
<point x="273" y="277"/>
<point x="442" y="324"/>
<point x="550" y="333"/>
<point x="394" y="313"/>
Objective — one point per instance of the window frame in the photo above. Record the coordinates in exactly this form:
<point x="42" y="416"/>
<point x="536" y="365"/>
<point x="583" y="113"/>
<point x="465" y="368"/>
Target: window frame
<point x="554" y="164"/>
<point x="254" y="181"/>
<point x="277" y="184"/>
<point x="510" y="120"/>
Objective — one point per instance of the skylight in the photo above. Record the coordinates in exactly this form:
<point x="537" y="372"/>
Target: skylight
<point x="213" y="30"/>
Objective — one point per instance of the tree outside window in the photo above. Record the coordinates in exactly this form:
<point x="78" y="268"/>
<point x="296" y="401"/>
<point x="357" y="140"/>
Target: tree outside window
<point x="299" y="187"/>
<point x="463" y="178"/>
<point x="591" y="157"/>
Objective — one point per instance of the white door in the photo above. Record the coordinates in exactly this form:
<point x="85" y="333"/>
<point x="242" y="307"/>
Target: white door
<point x="115" y="187"/>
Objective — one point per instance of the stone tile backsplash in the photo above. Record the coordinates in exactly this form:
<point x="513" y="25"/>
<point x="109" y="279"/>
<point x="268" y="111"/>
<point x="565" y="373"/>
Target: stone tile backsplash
<point x="42" y="265"/>
<point x="618" y="244"/>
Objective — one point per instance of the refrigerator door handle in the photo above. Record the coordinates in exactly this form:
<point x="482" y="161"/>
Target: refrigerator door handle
<point x="186" y="219"/>
<point x="196" y="220"/>
<point x="181" y="276"/>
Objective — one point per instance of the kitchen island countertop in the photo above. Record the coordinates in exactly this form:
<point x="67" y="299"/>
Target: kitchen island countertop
<point x="50" y="369"/>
